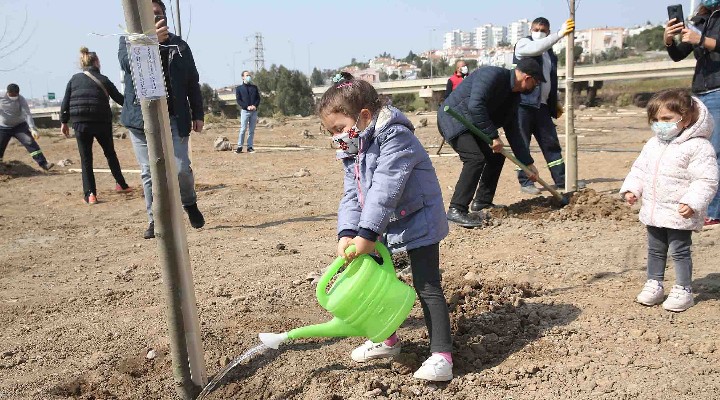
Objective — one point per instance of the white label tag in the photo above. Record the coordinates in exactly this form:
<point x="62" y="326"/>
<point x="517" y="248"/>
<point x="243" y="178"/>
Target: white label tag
<point x="147" y="72"/>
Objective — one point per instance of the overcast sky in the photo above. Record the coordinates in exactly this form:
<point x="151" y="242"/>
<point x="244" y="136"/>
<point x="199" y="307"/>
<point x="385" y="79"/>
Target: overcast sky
<point x="296" y="33"/>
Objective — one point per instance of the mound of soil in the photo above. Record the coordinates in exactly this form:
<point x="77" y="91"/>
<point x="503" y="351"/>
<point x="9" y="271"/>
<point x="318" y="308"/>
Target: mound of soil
<point x="586" y="205"/>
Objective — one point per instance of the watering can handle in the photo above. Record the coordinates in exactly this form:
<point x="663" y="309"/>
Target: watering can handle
<point x="321" y="290"/>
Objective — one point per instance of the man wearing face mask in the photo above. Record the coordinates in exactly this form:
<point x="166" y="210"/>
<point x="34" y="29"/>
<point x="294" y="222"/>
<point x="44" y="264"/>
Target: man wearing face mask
<point x="248" y="99"/>
<point x="16" y="121"/>
<point x="489" y="100"/>
<point x="538" y="108"/>
<point x="461" y="71"/>
<point x="185" y="109"/>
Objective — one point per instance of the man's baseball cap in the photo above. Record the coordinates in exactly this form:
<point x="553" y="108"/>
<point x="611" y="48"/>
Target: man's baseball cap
<point x="532" y="68"/>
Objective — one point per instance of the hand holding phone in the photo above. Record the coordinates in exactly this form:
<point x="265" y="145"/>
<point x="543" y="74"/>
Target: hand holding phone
<point x="676" y="12"/>
<point x="674" y="25"/>
<point x="161" y="28"/>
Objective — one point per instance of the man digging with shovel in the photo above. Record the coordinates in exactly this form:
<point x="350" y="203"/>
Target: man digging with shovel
<point x="489" y="99"/>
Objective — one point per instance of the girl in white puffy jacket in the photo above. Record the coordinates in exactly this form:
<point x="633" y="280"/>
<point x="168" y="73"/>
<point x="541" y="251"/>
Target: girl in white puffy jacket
<point x="676" y="175"/>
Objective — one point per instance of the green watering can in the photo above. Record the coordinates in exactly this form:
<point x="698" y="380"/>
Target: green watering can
<point x="367" y="299"/>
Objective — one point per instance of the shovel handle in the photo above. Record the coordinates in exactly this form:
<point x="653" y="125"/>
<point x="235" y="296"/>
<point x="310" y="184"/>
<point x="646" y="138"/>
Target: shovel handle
<point x="477" y="132"/>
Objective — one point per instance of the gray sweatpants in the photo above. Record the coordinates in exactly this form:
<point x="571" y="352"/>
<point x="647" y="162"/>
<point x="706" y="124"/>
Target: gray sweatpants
<point x="678" y="242"/>
<point x="425" y="265"/>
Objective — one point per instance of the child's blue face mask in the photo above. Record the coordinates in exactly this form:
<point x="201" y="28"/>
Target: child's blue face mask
<point x="666" y="131"/>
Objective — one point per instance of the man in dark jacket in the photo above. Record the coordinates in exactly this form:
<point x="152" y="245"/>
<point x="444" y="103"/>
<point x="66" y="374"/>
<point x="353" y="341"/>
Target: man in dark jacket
<point x="248" y="99"/>
<point x="538" y="108"/>
<point x="184" y="107"/>
<point x="488" y="98"/>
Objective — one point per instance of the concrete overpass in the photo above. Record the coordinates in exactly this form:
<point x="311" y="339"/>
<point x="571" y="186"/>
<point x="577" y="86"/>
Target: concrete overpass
<point x="427" y="87"/>
<point x="432" y="88"/>
<point x="655" y="69"/>
<point x="47" y="117"/>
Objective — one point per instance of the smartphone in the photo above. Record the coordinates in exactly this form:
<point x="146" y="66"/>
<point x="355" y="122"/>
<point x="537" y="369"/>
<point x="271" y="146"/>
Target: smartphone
<point x="676" y="12"/>
<point x="159" y="18"/>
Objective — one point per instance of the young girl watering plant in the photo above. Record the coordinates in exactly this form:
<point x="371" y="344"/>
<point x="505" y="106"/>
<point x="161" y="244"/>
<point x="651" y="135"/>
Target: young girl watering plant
<point x="676" y="175"/>
<point x="390" y="191"/>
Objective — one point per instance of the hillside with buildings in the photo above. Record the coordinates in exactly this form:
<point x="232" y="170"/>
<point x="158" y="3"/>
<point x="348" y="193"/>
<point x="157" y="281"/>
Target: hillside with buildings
<point x="493" y="45"/>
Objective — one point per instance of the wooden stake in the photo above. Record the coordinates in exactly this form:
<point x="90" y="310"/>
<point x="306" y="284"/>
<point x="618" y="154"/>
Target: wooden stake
<point x="571" y="173"/>
<point x="184" y="329"/>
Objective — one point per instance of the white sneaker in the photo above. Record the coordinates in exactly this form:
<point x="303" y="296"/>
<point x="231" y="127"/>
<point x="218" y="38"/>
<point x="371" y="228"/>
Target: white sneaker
<point x="370" y="351"/>
<point x="436" y="368"/>
<point x="652" y="293"/>
<point x="530" y="189"/>
<point x="679" y="299"/>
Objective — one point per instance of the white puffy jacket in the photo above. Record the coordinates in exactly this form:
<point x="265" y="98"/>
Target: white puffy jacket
<point x="682" y="171"/>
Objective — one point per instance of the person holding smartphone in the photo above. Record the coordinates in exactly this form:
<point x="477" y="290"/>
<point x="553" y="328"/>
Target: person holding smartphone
<point x="184" y="107"/>
<point x="700" y="37"/>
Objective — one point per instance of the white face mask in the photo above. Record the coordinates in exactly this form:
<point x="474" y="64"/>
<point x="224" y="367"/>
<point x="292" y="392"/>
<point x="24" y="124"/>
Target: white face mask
<point x="349" y="141"/>
<point x="538" y="35"/>
<point x="666" y="131"/>
<point x="13" y="97"/>
<point x="464" y="70"/>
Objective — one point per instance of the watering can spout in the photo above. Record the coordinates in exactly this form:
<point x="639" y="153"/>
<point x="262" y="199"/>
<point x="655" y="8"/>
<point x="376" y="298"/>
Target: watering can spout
<point x="333" y="328"/>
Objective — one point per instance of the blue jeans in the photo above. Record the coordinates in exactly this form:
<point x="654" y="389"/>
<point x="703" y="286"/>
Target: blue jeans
<point x="712" y="102"/>
<point x="21" y="132"/>
<point x="537" y="122"/>
<point x="186" y="179"/>
<point x="248" y="119"/>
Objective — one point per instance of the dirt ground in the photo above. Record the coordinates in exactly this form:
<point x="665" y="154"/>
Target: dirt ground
<point x="541" y="299"/>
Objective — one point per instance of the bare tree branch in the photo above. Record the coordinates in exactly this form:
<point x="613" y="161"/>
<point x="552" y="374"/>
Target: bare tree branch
<point x="22" y="63"/>
<point x="4" y="30"/>
<point x="22" y="30"/>
<point x="187" y="36"/>
<point x="21" y="45"/>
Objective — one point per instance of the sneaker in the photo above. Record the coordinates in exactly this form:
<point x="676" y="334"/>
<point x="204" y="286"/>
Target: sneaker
<point x="251" y="150"/>
<point x="371" y="351"/>
<point x="530" y="189"/>
<point x="436" y="368"/>
<point x="679" y="299"/>
<point x="91" y="199"/>
<point x="711" y="223"/>
<point x="652" y="293"/>
<point x="150" y="231"/>
<point x="196" y="218"/>
<point x="238" y="150"/>
<point x="120" y="189"/>
<point x="463" y="219"/>
<point x="46" y="166"/>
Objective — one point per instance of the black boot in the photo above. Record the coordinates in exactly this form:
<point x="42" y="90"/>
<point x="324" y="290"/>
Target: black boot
<point x="477" y="206"/>
<point x="196" y="218"/>
<point x="463" y="218"/>
<point x="150" y="231"/>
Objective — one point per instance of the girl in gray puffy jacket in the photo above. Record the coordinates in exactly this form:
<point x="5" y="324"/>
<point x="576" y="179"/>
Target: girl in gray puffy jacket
<point x="390" y="191"/>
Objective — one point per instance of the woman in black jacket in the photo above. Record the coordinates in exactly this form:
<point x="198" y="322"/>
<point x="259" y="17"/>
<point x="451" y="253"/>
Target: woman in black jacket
<point x="86" y="105"/>
<point x="702" y="38"/>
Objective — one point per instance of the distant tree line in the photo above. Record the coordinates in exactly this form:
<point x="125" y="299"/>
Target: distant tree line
<point x="284" y="92"/>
